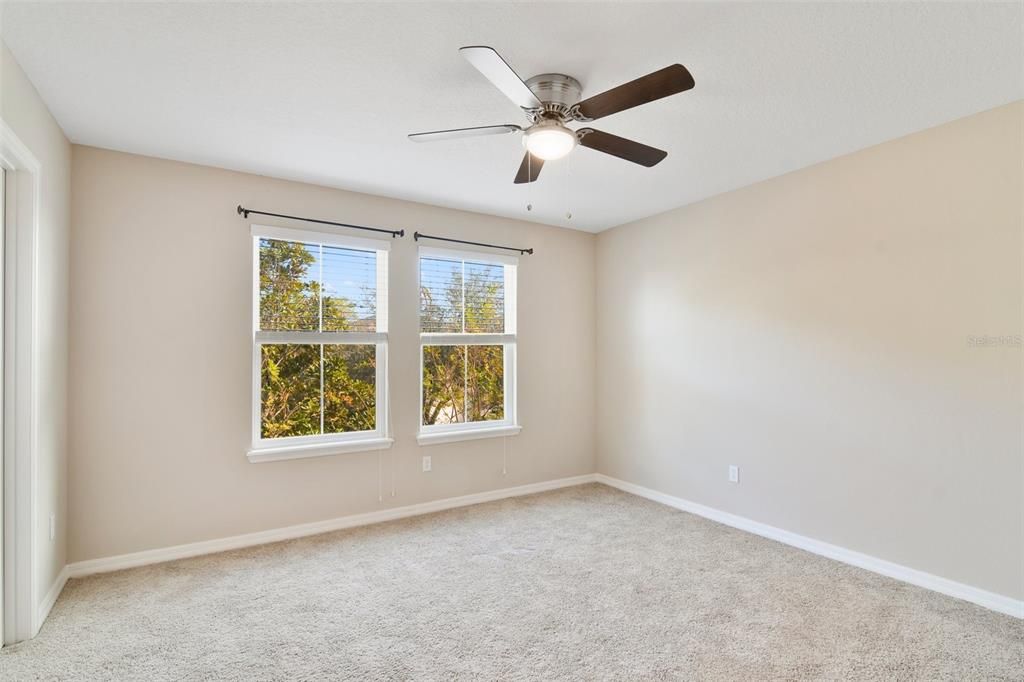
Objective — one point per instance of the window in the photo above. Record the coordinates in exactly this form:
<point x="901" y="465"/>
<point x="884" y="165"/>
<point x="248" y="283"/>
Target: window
<point x="467" y="346"/>
<point x="320" y="344"/>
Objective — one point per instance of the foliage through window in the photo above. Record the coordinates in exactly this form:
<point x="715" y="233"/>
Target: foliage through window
<point x="467" y="340"/>
<point x="320" y="338"/>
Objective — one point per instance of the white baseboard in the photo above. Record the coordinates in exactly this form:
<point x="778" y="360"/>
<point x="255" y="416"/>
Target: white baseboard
<point x="155" y="556"/>
<point x="50" y="599"/>
<point x="990" y="600"/>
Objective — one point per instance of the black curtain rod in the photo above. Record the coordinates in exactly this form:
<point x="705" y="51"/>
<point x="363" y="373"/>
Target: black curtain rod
<point x="244" y="212"/>
<point x="419" y="235"/>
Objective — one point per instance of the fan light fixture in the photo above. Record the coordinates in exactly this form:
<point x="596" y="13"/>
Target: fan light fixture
<point x="551" y="101"/>
<point x="549" y="140"/>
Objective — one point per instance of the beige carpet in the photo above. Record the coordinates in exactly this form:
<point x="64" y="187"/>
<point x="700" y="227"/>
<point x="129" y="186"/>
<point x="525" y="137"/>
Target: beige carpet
<point x="581" y="583"/>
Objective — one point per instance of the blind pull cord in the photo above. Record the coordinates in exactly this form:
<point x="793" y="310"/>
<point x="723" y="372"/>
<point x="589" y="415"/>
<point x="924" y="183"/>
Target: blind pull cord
<point x="391" y="434"/>
<point x="504" y="455"/>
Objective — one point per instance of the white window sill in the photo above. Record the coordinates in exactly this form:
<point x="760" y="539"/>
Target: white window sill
<point x="437" y="437"/>
<point x="273" y="454"/>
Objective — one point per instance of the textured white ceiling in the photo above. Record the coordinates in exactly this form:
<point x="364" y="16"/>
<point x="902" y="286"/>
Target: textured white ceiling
<point x="326" y="93"/>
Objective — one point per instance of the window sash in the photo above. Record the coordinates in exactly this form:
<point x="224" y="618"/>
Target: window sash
<point x="379" y="339"/>
<point x="509" y="266"/>
<point x="381" y="418"/>
<point x="508" y="388"/>
<point x="314" y="238"/>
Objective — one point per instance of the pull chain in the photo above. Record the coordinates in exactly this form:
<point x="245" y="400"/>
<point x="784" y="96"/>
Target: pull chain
<point x="568" y="184"/>
<point x="529" y="181"/>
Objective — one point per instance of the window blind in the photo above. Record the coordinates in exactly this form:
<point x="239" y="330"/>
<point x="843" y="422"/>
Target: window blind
<point x="461" y="296"/>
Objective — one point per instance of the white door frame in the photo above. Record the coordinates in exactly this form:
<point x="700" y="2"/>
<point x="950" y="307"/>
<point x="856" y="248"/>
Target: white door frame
<point x="20" y="387"/>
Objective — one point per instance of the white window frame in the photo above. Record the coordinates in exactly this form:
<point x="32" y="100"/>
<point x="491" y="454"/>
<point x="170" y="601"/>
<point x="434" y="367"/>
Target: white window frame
<point x="292" y="447"/>
<point x="509" y="426"/>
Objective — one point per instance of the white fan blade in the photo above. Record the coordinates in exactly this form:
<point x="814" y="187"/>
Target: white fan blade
<point x="488" y="62"/>
<point x="456" y="133"/>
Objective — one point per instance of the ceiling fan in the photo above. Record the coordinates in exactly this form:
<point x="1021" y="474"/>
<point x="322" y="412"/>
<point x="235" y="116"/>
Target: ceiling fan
<point x="551" y="100"/>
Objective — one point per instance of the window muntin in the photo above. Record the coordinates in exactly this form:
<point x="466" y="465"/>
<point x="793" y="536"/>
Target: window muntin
<point x="319" y="338"/>
<point x="467" y="341"/>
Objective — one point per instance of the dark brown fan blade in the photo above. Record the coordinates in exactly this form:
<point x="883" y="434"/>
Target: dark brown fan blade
<point x="668" y="81"/>
<point x="529" y="169"/>
<point x="620" y="147"/>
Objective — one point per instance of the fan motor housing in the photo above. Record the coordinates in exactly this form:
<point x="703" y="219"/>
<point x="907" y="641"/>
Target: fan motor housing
<point x="557" y="91"/>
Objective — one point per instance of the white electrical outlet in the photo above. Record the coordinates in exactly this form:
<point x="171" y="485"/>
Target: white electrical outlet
<point x="426" y="463"/>
<point x="734" y="473"/>
<point x="53" y="526"/>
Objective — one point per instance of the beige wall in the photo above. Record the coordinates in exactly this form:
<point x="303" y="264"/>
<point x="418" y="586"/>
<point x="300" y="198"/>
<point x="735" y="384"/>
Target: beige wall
<point x="815" y="330"/>
<point x="24" y="111"/>
<point x="161" y="362"/>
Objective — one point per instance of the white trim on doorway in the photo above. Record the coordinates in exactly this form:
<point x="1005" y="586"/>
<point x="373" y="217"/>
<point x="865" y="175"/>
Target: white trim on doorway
<point x="50" y="598"/>
<point x="20" y="386"/>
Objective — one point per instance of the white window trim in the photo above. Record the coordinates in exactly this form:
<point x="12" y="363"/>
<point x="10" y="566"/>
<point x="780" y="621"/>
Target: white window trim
<point x="448" y="433"/>
<point x="436" y="438"/>
<point x="296" y="447"/>
<point x="293" y="234"/>
<point x="276" y="454"/>
<point x="475" y="256"/>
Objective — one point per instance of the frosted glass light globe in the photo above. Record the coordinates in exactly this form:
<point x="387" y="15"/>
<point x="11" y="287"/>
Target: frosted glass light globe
<point x="549" y="140"/>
